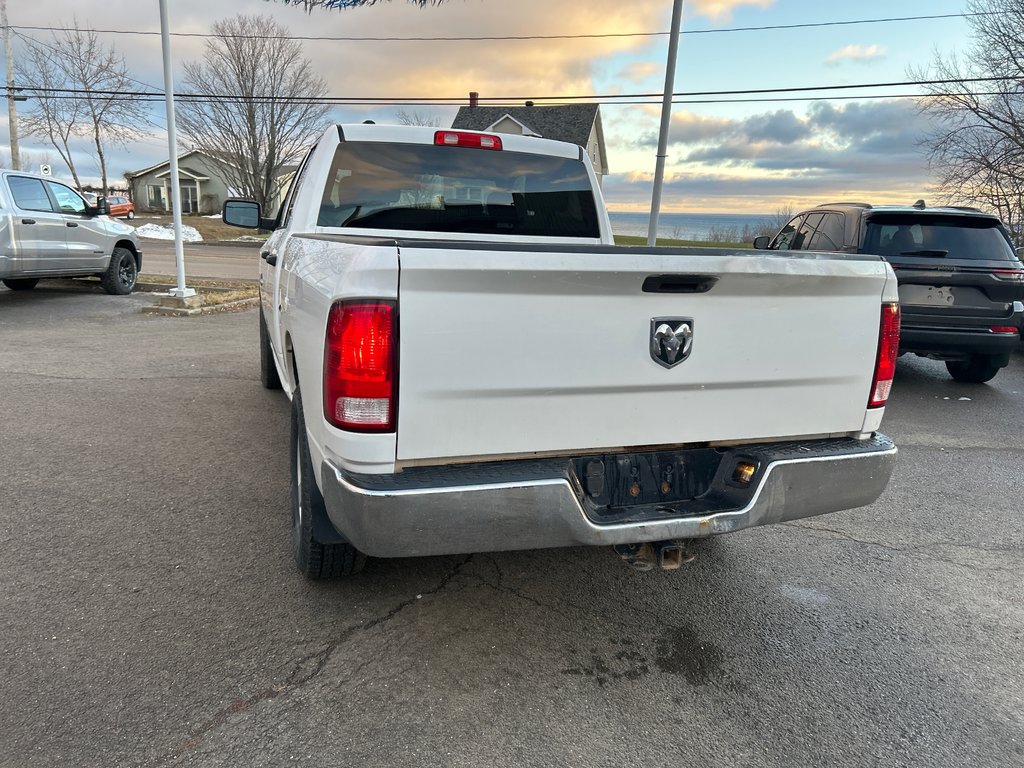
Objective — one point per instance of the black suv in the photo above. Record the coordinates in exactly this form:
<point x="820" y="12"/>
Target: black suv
<point x="961" y="284"/>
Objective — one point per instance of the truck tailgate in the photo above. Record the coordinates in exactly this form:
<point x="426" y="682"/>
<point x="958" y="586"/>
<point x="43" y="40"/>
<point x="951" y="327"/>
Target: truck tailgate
<point x="507" y="351"/>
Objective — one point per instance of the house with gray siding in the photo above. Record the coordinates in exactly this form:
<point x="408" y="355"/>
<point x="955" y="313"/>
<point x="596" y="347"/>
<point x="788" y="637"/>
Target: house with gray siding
<point x="576" y="123"/>
<point x="203" y="190"/>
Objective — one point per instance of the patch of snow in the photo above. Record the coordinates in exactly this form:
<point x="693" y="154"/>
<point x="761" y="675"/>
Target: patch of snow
<point x="964" y="398"/>
<point x="161" y="232"/>
<point x="213" y="216"/>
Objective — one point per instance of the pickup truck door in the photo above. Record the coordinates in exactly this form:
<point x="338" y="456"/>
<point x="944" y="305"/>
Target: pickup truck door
<point x="512" y="351"/>
<point x="38" y="230"/>
<point x="272" y="258"/>
<point x="88" y="243"/>
<point x="270" y="289"/>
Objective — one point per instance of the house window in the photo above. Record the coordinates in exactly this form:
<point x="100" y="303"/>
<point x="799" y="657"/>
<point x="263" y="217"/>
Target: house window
<point x="156" y="196"/>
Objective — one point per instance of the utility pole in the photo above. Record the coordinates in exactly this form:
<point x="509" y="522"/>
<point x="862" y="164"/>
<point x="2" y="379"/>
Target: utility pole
<point x="180" y="291"/>
<point x="666" y="118"/>
<point x="12" y="110"/>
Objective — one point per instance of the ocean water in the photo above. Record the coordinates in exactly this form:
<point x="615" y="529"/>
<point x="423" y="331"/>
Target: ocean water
<point x="689" y="226"/>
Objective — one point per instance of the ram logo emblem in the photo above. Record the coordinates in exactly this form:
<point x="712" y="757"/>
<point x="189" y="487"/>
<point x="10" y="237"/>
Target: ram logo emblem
<point x="671" y="340"/>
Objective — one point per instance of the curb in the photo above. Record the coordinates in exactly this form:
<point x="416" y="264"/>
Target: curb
<point x="207" y="309"/>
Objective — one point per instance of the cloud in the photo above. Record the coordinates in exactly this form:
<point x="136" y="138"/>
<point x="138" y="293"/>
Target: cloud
<point x="721" y="10"/>
<point x="858" y="53"/>
<point x="640" y="71"/>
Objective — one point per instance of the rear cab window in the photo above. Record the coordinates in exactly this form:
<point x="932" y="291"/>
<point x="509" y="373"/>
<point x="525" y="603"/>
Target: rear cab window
<point x="956" y="238"/>
<point x="376" y="185"/>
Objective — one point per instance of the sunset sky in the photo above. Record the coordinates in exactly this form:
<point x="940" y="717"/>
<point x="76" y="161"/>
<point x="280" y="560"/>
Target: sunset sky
<point x="742" y="157"/>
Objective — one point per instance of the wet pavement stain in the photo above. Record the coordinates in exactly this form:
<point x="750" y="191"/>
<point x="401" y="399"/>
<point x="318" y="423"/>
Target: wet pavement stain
<point x="680" y="652"/>
<point x="622" y="664"/>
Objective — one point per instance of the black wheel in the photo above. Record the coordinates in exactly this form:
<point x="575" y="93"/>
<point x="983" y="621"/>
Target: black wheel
<point x="21" y="283"/>
<point x="130" y="214"/>
<point x="268" y="371"/>
<point x="119" y="279"/>
<point x="977" y="370"/>
<point x="314" y="558"/>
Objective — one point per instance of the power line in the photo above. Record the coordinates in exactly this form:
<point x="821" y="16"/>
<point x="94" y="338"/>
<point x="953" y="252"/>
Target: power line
<point x="499" y="100"/>
<point x="493" y="38"/>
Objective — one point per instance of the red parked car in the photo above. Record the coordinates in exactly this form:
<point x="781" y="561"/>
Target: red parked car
<point x="121" y="206"/>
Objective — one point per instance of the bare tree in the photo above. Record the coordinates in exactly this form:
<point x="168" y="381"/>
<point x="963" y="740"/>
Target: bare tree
<point x="417" y="118"/>
<point x="257" y="104"/>
<point x="53" y="115"/>
<point x="78" y="86"/>
<point x="100" y="76"/>
<point x="977" y="144"/>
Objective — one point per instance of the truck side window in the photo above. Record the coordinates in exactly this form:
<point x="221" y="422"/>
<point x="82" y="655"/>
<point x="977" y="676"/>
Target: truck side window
<point x="29" y="194"/>
<point x="803" y="238"/>
<point x="68" y="200"/>
<point x="831" y="233"/>
<point x="289" y="200"/>
<point x="783" y="241"/>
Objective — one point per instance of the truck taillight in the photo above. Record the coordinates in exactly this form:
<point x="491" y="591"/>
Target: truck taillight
<point x="359" y="366"/>
<point x="466" y="139"/>
<point x="888" y="351"/>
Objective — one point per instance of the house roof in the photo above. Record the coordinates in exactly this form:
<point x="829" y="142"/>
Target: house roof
<point x="141" y="171"/>
<point x="186" y="171"/>
<point x="563" y="122"/>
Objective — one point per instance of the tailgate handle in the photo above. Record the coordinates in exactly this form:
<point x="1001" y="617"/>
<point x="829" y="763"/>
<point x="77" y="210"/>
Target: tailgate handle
<point x="679" y="283"/>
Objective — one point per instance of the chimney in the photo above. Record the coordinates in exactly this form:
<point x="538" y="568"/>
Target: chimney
<point x="474" y="99"/>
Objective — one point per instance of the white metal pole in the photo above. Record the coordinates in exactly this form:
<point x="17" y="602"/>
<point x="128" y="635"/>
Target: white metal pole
<point x="172" y="147"/>
<point x="666" y="118"/>
<point x="12" y="109"/>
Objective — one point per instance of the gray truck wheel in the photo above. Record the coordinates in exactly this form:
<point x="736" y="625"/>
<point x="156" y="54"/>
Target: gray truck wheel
<point x="268" y="371"/>
<point x="314" y="558"/>
<point x="977" y="370"/>
<point x="119" y="279"/>
<point x="21" y="284"/>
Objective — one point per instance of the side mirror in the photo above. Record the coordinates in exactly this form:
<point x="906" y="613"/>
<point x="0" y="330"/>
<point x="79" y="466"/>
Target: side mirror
<point x="242" y="213"/>
<point x="761" y="243"/>
<point x="102" y="208"/>
<point x="246" y="213"/>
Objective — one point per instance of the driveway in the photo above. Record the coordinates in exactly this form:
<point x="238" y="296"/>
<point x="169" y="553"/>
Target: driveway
<point x="152" y="616"/>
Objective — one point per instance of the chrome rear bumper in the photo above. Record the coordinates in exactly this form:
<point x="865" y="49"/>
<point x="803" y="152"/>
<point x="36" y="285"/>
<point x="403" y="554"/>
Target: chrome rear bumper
<point x="396" y="516"/>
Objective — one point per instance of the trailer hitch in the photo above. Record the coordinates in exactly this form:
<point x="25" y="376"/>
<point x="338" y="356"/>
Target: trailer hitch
<point x="668" y="555"/>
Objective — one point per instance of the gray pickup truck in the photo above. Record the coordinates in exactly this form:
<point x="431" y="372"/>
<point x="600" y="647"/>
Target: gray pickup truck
<point x="47" y="229"/>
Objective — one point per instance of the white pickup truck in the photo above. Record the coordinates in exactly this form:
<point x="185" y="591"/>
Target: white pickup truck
<point x="474" y="366"/>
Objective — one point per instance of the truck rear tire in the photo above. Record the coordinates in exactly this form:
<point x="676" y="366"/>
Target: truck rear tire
<point x="977" y="370"/>
<point x="21" y="283"/>
<point x="268" y="371"/>
<point x="119" y="279"/>
<point x="314" y="558"/>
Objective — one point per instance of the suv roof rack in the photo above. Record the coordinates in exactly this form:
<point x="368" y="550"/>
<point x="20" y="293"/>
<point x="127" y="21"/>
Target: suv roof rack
<point x="964" y="208"/>
<point x="846" y="202"/>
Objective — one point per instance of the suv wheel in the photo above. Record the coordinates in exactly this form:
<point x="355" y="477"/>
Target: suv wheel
<point x="977" y="370"/>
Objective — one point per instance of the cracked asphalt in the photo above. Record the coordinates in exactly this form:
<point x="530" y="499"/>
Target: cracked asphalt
<point x="152" y="617"/>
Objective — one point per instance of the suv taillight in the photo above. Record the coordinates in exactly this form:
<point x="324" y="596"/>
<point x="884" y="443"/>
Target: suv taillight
<point x="1015" y="275"/>
<point x="359" y="366"/>
<point x="888" y="351"/>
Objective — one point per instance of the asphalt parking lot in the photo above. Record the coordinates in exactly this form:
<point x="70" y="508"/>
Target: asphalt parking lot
<point x="152" y="616"/>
